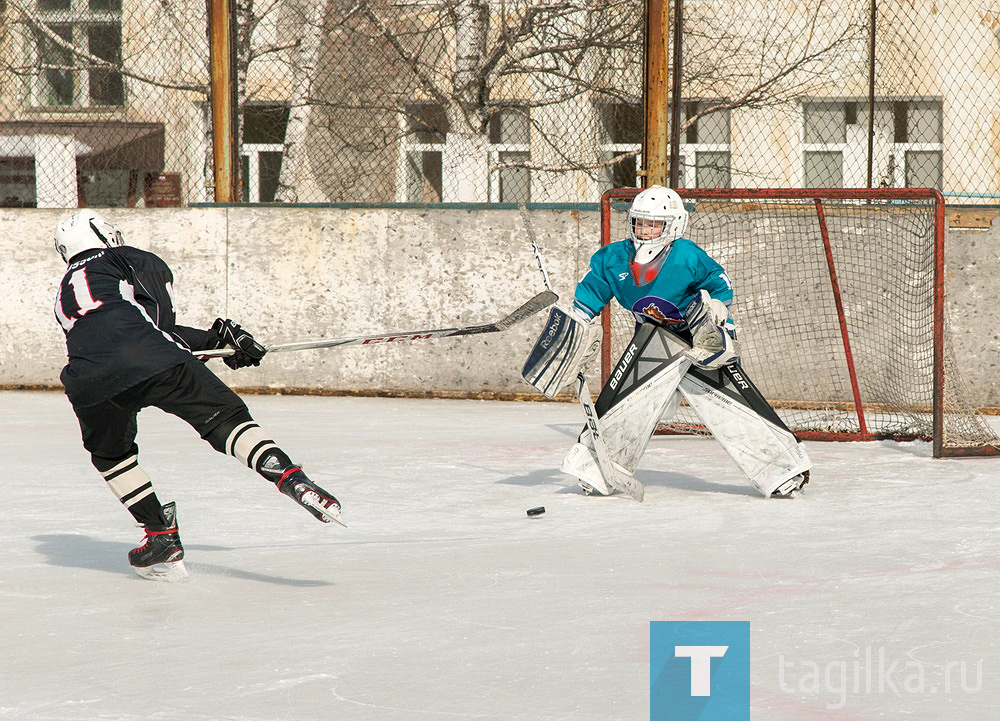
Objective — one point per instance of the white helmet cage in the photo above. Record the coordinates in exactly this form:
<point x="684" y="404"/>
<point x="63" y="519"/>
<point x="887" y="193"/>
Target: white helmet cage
<point x="657" y="204"/>
<point x="85" y="230"/>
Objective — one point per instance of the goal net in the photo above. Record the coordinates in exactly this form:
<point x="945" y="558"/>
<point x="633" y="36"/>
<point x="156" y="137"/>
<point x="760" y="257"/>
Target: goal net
<point x="839" y="307"/>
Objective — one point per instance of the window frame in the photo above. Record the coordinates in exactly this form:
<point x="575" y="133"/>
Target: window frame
<point x="80" y="18"/>
<point x="408" y="145"/>
<point x="253" y="151"/>
<point x="689" y="171"/>
<point x="897" y="152"/>
<point x="498" y="149"/>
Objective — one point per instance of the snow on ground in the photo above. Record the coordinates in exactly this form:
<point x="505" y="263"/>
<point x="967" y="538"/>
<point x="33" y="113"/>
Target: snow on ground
<point x="868" y="597"/>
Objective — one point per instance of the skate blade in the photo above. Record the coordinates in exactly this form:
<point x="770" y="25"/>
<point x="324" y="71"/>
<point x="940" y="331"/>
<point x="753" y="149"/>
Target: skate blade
<point x="166" y="572"/>
<point x="791" y="488"/>
<point x="311" y="500"/>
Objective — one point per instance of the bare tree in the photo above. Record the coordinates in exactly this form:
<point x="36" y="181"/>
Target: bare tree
<point x="365" y="76"/>
<point x="552" y="61"/>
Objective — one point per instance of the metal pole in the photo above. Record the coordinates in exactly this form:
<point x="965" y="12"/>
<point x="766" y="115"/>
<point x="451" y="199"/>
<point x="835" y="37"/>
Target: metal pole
<point x="654" y="142"/>
<point x="222" y="48"/>
<point x="841" y="317"/>
<point x="676" y="100"/>
<point x="873" y="17"/>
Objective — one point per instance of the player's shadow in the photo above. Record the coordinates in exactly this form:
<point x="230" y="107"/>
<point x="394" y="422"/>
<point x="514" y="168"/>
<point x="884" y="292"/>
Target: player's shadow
<point x="684" y="482"/>
<point x="540" y="477"/>
<point x="72" y="550"/>
<point x="681" y="481"/>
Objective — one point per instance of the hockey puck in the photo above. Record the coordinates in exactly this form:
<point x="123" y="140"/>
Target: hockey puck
<point x="536" y="511"/>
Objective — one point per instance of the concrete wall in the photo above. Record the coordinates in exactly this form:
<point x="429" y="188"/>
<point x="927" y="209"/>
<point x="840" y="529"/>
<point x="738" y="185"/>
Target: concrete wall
<point x="293" y="274"/>
<point x="298" y="273"/>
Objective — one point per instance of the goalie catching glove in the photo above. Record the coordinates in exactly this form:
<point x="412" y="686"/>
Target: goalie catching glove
<point x="713" y="339"/>
<point x="567" y="342"/>
<point x="248" y="351"/>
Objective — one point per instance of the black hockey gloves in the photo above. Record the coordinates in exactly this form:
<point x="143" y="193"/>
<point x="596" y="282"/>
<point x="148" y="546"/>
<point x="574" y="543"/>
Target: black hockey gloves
<point x="248" y="351"/>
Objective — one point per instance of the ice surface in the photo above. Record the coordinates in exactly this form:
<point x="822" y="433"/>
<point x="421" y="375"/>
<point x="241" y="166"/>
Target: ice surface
<point x="444" y="601"/>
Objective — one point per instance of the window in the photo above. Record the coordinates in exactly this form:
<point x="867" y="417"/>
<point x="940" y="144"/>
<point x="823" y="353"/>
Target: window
<point x="263" y="142"/>
<point x="918" y="134"/>
<point x="510" y="144"/>
<point x="706" y="142"/>
<point x="908" y="147"/>
<point x="824" y="169"/>
<point x="17" y="182"/>
<point x="75" y="32"/>
<point x="425" y="126"/>
<point x="621" y="126"/>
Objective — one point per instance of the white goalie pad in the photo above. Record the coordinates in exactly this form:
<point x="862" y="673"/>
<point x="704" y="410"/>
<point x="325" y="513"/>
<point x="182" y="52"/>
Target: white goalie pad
<point x="641" y="389"/>
<point x="564" y="346"/>
<point x="766" y="452"/>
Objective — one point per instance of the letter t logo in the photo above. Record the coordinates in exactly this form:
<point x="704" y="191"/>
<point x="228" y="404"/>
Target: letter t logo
<point x="701" y="665"/>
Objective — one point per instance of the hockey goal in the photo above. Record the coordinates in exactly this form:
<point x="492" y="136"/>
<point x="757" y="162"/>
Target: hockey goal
<point x="839" y="308"/>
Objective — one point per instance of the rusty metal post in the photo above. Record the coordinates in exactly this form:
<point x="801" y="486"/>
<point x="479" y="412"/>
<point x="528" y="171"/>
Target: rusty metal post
<point x="222" y="54"/>
<point x="655" y="148"/>
<point x="872" y="19"/>
<point x="676" y="100"/>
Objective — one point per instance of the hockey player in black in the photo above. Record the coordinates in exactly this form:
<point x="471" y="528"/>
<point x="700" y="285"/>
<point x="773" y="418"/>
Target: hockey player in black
<point x="126" y="352"/>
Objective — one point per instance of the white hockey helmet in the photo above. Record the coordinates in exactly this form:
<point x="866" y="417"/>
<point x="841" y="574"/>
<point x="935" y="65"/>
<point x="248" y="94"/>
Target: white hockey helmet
<point x="656" y="219"/>
<point x="85" y="230"/>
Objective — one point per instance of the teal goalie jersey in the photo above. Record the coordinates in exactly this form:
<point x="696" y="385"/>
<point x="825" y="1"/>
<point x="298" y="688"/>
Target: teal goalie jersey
<point x="686" y="270"/>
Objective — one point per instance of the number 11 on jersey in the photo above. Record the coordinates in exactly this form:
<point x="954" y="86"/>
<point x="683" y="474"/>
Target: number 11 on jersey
<point x="85" y="300"/>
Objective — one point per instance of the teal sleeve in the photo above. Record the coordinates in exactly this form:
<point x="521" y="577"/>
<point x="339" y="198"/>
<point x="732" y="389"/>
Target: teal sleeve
<point x="715" y="280"/>
<point x="594" y="291"/>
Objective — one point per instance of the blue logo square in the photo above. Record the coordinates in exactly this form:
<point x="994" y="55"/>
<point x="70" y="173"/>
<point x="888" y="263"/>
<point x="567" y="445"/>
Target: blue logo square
<point x="699" y="671"/>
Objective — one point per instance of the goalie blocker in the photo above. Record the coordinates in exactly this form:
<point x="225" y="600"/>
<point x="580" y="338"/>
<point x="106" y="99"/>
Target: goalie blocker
<point x="647" y="384"/>
<point x="564" y="346"/>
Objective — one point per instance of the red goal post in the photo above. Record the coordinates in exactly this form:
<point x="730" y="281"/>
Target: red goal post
<point x="840" y="309"/>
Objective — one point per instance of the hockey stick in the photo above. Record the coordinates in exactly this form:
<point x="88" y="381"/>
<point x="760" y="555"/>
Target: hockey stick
<point x="539" y="302"/>
<point x="614" y="476"/>
<point x="529" y="228"/>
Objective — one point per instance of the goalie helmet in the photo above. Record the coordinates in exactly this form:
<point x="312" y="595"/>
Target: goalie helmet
<point x="656" y="219"/>
<point x="85" y="230"/>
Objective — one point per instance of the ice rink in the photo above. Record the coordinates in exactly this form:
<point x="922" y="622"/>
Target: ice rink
<point x="872" y="596"/>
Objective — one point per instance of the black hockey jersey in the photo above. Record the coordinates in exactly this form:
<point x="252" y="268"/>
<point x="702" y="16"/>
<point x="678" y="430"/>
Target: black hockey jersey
<point x="116" y="308"/>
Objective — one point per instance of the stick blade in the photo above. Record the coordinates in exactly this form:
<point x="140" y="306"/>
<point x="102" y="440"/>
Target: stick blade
<point x="540" y="302"/>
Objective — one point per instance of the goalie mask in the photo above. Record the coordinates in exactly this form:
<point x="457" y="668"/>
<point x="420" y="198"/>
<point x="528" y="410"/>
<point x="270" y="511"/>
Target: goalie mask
<point x="656" y="219"/>
<point x="86" y="230"/>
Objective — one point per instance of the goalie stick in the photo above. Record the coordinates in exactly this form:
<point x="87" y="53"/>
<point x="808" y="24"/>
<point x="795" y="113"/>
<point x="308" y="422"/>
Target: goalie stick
<point x="530" y="230"/>
<point x="613" y="475"/>
<point x="539" y="302"/>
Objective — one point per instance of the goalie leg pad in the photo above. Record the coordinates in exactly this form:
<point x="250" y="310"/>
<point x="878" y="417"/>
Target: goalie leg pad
<point x="749" y="430"/>
<point x="641" y="389"/>
<point x="563" y="348"/>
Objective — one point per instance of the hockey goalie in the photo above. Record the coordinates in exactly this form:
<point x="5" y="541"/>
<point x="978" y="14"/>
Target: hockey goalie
<point x="685" y="347"/>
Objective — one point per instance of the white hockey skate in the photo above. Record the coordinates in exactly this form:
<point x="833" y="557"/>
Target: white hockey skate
<point x="581" y="464"/>
<point x="792" y="487"/>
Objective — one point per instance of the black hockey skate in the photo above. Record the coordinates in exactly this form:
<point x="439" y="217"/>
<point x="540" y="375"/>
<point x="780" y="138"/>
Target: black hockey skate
<point x="792" y="487"/>
<point x="160" y="557"/>
<point x="297" y="486"/>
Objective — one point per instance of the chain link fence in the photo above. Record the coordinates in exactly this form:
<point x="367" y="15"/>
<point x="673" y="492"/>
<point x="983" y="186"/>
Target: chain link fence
<point x="105" y="102"/>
